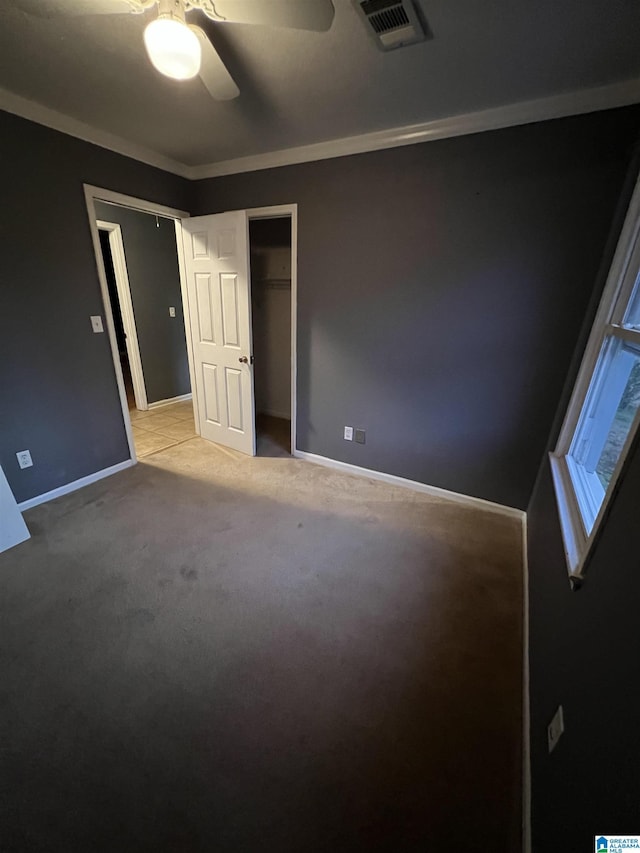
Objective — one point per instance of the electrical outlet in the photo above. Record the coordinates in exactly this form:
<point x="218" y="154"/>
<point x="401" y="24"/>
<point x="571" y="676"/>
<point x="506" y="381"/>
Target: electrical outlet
<point x="360" y="436"/>
<point x="172" y="312"/>
<point x="24" y="459"/>
<point x="348" y="433"/>
<point x="555" y="729"/>
<point x="96" y="324"/>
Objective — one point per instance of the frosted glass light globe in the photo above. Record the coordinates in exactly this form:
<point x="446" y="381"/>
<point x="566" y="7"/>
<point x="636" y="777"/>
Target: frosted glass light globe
<point x="173" y="48"/>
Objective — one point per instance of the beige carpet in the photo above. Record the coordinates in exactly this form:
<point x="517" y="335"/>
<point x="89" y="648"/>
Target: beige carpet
<point x="214" y="653"/>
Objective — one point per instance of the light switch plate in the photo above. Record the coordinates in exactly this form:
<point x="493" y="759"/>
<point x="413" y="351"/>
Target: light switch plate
<point x="555" y="729"/>
<point x="348" y="433"/>
<point x="96" y="323"/>
<point x="24" y="459"/>
<point x="172" y="312"/>
<point x="360" y="436"/>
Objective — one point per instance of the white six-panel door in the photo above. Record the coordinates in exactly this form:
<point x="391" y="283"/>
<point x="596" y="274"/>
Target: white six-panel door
<point x="216" y="249"/>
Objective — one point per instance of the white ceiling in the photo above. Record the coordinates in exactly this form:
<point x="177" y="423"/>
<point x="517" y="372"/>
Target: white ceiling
<point x="299" y="88"/>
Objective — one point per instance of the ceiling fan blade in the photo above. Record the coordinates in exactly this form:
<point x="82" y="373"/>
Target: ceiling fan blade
<point x="79" y="8"/>
<point x="213" y="71"/>
<point x="297" y="14"/>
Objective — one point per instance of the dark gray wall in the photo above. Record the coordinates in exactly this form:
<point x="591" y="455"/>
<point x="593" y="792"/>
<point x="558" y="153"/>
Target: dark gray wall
<point x="584" y="648"/>
<point x="270" y="232"/>
<point x="584" y="653"/>
<point x="440" y="292"/>
<point x="154" y="279"/>
<point x="58" y="390"/>
<point x="441" y="288"/>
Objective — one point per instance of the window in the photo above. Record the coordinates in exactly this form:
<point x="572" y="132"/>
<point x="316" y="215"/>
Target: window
<point x="603" y="413"/>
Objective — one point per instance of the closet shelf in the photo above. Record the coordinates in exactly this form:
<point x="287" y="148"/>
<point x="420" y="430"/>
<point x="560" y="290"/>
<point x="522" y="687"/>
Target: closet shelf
<point x="275" y="282"/>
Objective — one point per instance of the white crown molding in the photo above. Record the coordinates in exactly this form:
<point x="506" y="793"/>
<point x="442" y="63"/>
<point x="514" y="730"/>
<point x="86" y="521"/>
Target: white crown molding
<point x="19" y="106"/>
<point x="525" y="112"/>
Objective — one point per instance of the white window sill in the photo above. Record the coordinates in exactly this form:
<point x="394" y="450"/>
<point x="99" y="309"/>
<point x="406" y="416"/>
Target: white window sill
<point x="574" y="536"/>
<point x="587" y="491"/>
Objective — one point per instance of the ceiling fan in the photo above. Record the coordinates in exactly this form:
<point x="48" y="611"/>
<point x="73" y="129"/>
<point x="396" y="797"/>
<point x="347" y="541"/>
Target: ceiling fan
<point x="181" y="50"/>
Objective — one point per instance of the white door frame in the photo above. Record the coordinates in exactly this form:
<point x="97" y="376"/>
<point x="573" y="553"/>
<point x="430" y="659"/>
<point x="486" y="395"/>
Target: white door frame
<point x="123" y="288"/>
<point x="93" y="194"/>
<point x="277" y="212"/>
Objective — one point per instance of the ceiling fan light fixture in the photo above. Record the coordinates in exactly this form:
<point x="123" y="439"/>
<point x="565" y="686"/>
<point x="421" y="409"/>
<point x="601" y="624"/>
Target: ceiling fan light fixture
<point x="173" y="48"/>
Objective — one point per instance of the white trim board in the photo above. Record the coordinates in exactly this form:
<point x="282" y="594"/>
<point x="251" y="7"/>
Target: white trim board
<point x="38" y="113"/>
<point x="90" y="199"/>
<point x="393" y="480"/>
<point x="13" y="530"/>
<point x="131" y="201"/>
<point x="186" y="317"/>
<point x="510" y="115"/>
<point x="93" y="194"/>
<point x="75" y="485"/>
<point x="526" y="698"/>
<point x="127" y="315"/>
<point x="160" y="404"/>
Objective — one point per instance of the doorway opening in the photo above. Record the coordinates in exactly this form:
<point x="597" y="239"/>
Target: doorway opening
<point x="142" y="294"/>
<point x="213" y="302"/>
<point x="116" y="310"/>
<point x="270" y="251"/>
<point x="225" y="334"/>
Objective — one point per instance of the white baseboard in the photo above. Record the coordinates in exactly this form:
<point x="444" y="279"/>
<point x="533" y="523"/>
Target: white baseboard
<point x="77" y="484"/>
<point x="526" y="700"/>
<point x="393" y="480"/>
<point x="160" y="403"/>
<point x="489" y="506"/>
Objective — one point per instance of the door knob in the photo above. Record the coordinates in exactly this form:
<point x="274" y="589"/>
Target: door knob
<point x="244" y="360"/>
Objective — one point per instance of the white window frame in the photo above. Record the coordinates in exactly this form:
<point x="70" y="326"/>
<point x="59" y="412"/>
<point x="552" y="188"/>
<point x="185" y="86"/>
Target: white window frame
<point x="574" y="486"/>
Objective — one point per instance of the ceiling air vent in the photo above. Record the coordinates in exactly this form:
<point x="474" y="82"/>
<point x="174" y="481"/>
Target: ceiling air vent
<point x="392" y="23"/>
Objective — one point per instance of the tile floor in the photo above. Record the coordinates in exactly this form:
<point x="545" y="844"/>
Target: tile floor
<point x="158" y="429"/>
